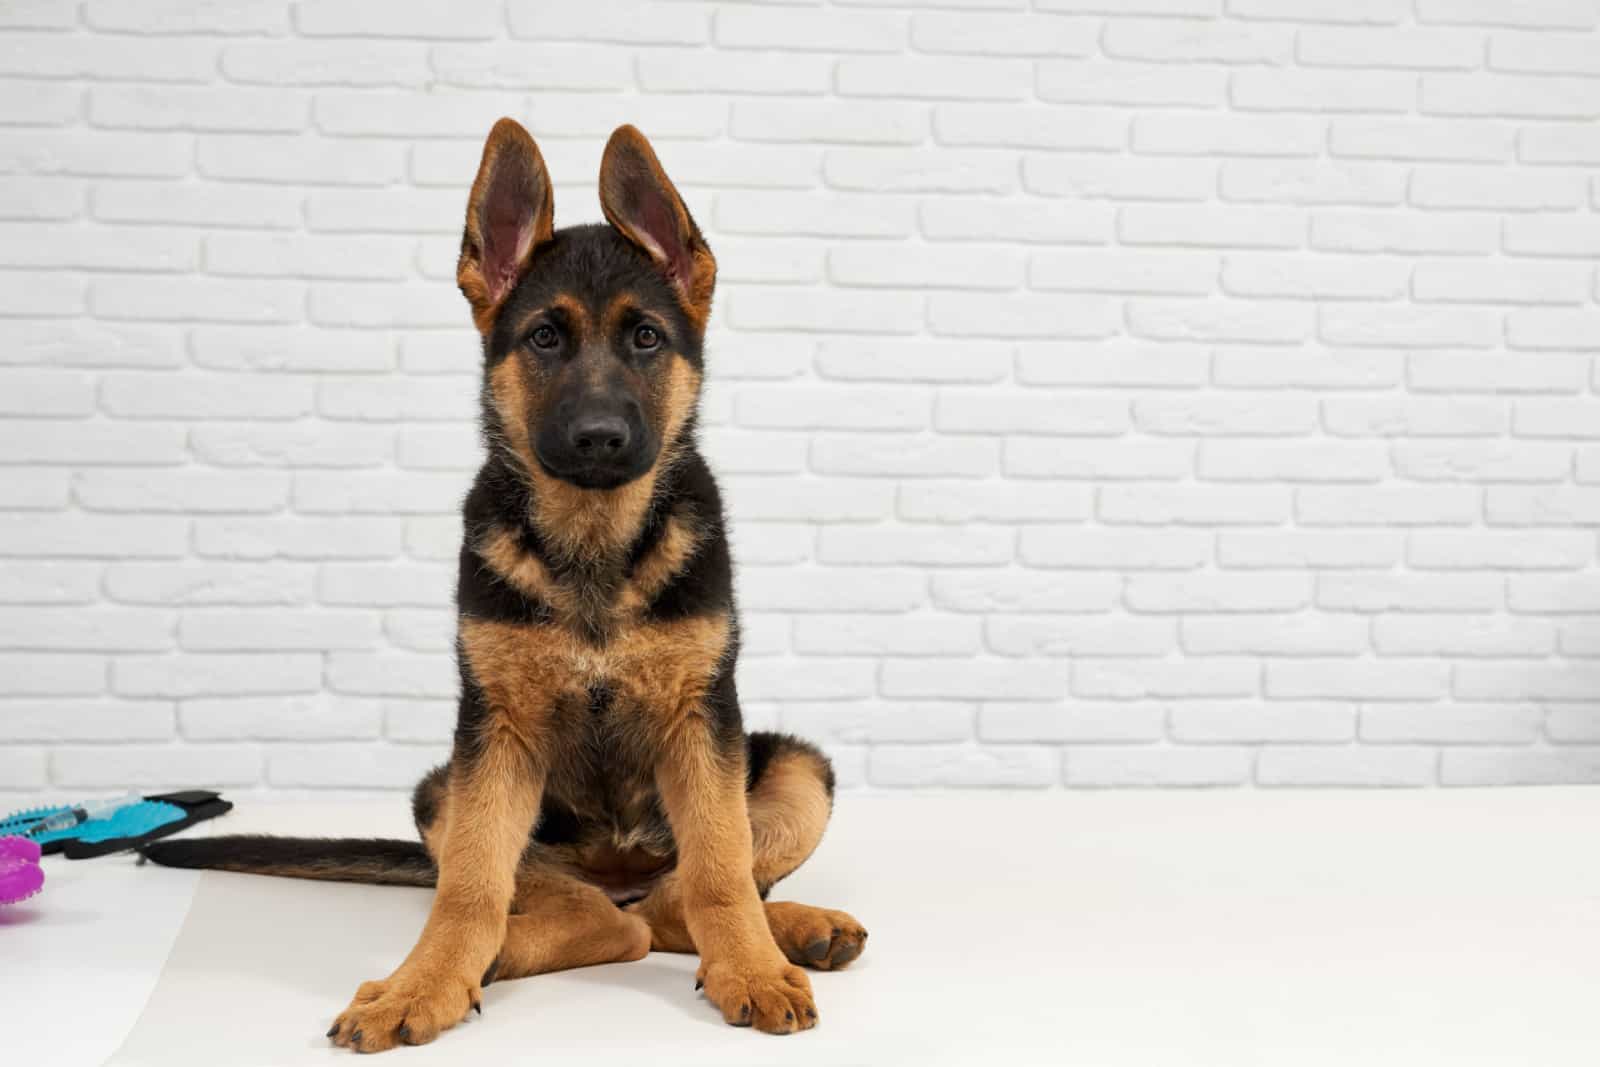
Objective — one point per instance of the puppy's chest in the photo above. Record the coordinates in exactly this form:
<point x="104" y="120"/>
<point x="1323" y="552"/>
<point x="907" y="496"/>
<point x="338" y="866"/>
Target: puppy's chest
<point x="649" y="671"/>
<point x="601" y="763"/>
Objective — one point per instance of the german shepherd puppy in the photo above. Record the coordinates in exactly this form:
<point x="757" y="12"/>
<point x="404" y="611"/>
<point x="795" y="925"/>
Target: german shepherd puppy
<point x="602" y="799"/>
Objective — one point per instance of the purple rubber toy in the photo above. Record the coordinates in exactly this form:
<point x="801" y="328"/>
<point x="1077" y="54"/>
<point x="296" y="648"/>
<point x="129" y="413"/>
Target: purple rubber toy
<point x="20" y="874"/>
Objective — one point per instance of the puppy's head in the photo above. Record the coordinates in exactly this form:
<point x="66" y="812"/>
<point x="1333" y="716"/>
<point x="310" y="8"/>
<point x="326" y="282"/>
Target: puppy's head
<point x="592" y="334"/>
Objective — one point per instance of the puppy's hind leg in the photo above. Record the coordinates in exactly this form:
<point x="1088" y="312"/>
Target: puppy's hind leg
<point x="790" y="799"/>
<point x="558" y="922"/>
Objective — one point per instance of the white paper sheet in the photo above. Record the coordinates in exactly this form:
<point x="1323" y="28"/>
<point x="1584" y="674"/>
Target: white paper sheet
<point x="1111" y="929"/>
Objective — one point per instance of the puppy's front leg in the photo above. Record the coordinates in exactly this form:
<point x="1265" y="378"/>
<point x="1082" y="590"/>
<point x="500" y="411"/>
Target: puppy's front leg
<point x="743" y="971"/>
<point x="493" y="799"/>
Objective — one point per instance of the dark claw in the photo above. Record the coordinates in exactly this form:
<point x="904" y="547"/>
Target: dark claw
<point x="699" y="984"/>
<point x="788" y="1016"/>
<point x="334" y="1029"/>
<point x="404" y="1033"/>
<point x="355" y="1039"/>
<point x="477" y="1006"/>
<point x="817" y="949"/>
<point x="811" y="1013"/>
<point x="489" y="975"/>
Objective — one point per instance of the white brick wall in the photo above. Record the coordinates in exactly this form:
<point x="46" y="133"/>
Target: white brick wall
<point x="1162" y="392"/>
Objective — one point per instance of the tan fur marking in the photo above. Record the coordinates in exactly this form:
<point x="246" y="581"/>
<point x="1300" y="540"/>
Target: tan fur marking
<point x="433" y="833"/>
<point x="563" y="923"/>
<point x="705" y="800"/>
<point x="580" y="524"/>
<point x="614" y="313"/>
<point x="678" y="400"/>
<point x="525" y="572"/>
<point x="577" y="314"/>
<point x="665" y="667"/>
<point x="744" y="972"/>
<point x="698" y="304"/>
<point x="589" y="524"/>
<point x="680" y="540"/>
<point x="488" y="818"/>
<point x="511" y="402"/>
<point x="669" y="667"/>
<point x="523" y="671"/>
<point x="789" y="810"/>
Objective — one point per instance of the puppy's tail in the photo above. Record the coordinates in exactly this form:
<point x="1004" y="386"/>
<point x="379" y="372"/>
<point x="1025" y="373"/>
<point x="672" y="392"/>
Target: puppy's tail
<point x="372" y="861"/>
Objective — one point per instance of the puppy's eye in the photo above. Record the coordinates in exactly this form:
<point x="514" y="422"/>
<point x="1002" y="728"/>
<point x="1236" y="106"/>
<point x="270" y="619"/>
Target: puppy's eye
<point x="544" y="337"/>
<point x="646" y="337"/>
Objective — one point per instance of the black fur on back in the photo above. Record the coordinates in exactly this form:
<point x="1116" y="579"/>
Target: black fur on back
<point x="369" y="860"/>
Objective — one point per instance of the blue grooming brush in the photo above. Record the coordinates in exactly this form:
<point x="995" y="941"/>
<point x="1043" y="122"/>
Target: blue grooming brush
<point x="19" y="823"/>
<point x="135" y="820"/>
<point x="123" y="828"/>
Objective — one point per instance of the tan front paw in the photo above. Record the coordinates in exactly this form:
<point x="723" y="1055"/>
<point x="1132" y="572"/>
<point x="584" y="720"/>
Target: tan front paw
<point x="405" y="1009"/>
<point x="775" y="998"/>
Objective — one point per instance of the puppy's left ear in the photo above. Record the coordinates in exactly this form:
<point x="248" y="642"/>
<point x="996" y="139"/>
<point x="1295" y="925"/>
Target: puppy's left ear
<point x="639" y="200"/>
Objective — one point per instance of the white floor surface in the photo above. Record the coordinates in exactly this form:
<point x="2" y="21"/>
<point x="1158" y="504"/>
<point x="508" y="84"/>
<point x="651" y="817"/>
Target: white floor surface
<point x="1096" y="929"/>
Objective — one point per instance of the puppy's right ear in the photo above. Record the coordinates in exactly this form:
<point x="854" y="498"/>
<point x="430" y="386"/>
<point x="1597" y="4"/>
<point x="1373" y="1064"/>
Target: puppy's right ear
<point x="510" y="213"/>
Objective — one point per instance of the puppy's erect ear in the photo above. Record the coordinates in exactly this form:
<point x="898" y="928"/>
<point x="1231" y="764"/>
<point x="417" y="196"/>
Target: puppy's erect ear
<point x="639" y="200"/>
<point x="510" y="213"/>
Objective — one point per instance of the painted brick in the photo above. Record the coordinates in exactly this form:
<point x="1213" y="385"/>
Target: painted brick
<point x="56" y="721"/>
<point x="1129" y="84"/>
<point x="1373" y="231"/>
<point x="873" y="721"/>
<point x="1451" y="724"/>
<point x="961" y="767"/>
<point x="805" y="30"/>
<point x="1323" y="766"/>
<point x="1510" y="766"/>
<point x="1407" y="48"/>
<point x="1412" y="139"/>
<point x="1127" y="679"/>
<point x="1005" y="591"/>
<point x="1308" y="549"/>
<point x="1341" y="679"/>
<point x="1126" y="549"/>
<point x="1185" y="593"/>
<point x="1509" y="96"/>
<point x="154" y="768"/>
<point x="934" y="78"/>
<point x="1114" y="767"/>
<point x="1078" y="721"/>
<point x="1297" y="722"/>
<point x="777" y="74"/>
<point x="1137" y="393"/>
<point x="1319" y="182"/>
<point x="1410" y="592"/>
<point x="1556" y="14"/>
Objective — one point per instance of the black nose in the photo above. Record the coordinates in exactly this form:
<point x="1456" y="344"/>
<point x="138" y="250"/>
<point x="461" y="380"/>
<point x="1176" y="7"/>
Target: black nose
<point x="600" y="437"/>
